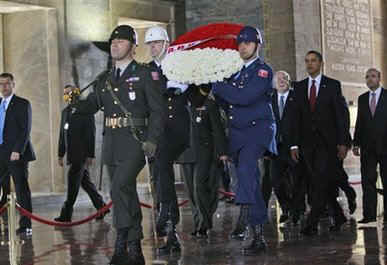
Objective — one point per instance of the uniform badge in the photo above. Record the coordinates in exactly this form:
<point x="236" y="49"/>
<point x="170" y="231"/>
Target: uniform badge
<point x="66" y="126"/>
<point x="263" y="73"/>
<point x="198" y="119"/>
<point x="132" y="95"/>
<point x="155" y="76"/>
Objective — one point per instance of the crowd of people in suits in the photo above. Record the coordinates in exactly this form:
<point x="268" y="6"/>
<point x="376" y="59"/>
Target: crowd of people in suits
<point x="277" y="134"/>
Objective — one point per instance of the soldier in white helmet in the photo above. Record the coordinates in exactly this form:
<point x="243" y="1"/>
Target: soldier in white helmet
<point x="174" y="140"/>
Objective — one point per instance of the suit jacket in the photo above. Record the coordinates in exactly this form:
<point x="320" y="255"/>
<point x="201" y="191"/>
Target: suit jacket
<point x="17" y="130"/>
<point x="327" y="123"/>
<point x="77" y="135"/>
<point x="371" y="132"/>
<point x="284" y="124"/>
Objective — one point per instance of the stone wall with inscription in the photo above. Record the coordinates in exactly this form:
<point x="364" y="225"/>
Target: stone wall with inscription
<point x="347" y="41"/>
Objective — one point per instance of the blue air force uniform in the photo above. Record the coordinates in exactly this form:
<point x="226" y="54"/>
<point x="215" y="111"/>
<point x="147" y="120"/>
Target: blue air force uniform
<point x="246" y="98"/>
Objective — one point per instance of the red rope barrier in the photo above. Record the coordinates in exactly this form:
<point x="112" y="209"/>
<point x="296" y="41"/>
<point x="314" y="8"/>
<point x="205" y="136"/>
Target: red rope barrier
<point x="355" y="183"/>
<point x="83" y="221"/>
<point x="63" y="224"/>
<point x="3" y="209"/>
<point x="228" y="194"/>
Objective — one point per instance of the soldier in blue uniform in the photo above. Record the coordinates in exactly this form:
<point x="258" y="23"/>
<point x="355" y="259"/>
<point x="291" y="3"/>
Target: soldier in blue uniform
<point x="246" y="98"/>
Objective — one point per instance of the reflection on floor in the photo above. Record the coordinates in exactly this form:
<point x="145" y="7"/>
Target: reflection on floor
<point x="92" y="243"/>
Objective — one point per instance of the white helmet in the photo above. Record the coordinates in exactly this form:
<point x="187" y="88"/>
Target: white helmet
<point x="156" y="33"/>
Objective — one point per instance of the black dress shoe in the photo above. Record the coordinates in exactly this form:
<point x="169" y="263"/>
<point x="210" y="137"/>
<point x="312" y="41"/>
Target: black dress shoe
<point x="309" y="230"/>
<point x="24" y="231"/>
<point x="202" y="234"/>
<point x="338" y="224"/>
<point x="194" y="233"/>
<point x="367" y="220"/>
<point x="120" y="259"/>
<point x="352" y="205"/>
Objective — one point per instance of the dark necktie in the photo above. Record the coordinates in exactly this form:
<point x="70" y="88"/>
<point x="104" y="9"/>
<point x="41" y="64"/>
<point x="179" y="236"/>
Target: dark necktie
<point x="312" y="96"/>
<point x="118" y="74"/>
<point x="281" y="106"/>
<point x="373" y="103"/>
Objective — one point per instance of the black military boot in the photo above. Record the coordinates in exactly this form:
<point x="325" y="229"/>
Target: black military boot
<point x="173" y="244"/>
<point x="135" y="253"/>
<point x="66" y="214"/>
<point x="258" y="244"/>
<point x="121" y="255"/>
<point x="161" y="225"/>
<point x="240" y="230"/>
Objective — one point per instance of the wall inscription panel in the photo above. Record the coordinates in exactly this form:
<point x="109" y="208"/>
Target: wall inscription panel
<point x="347" y="39"/>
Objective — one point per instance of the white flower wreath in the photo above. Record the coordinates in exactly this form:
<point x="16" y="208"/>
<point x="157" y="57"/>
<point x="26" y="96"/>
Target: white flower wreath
<point x="201" y="66"/>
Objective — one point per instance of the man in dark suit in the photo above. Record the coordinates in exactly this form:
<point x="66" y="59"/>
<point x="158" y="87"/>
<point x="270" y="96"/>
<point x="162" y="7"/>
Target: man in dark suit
<point x="370" y="143"/>
<point x="282" y="167"/>
<point x="15" y="147"/>
<point x="318" y="135"/>
<point x="77" y="139"/>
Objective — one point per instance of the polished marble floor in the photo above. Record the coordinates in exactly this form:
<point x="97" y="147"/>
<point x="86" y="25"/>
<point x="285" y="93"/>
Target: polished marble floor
<point x="92" y="243"/>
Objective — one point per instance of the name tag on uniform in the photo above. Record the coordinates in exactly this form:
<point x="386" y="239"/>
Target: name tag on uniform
<point x="132" y="95"/>
<point x="263" y="73"/>
<point x="133" y="79"/>
<point x="66" y="126"/>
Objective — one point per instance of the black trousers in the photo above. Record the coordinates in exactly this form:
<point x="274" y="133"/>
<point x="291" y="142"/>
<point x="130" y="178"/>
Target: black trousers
<point x="343" y="182"/>
<point x="19" y="172"/>
<point x="78" y="176"/>
<point x="369" y="161"/>
<point x="123" y="178"/>
<point x="321" y="166"/>
<point x="6" y="189"/>
<point x="202" y="182"/>
<point x="281" y="182"/>
<point x="168" y="151"/>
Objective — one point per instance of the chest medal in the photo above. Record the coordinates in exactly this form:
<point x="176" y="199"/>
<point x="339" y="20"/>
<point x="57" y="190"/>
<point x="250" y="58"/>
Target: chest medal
<point x="132" y="95"/>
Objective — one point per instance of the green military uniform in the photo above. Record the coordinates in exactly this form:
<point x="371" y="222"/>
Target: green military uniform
<point x="135" y="116"/>
<point x="138" y="91"/>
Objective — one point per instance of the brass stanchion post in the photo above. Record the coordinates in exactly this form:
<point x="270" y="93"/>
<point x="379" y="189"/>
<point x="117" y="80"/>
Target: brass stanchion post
<point x="12" y="228"/>
<point x="13" y="243"/>
<point x="151" y="191"/>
